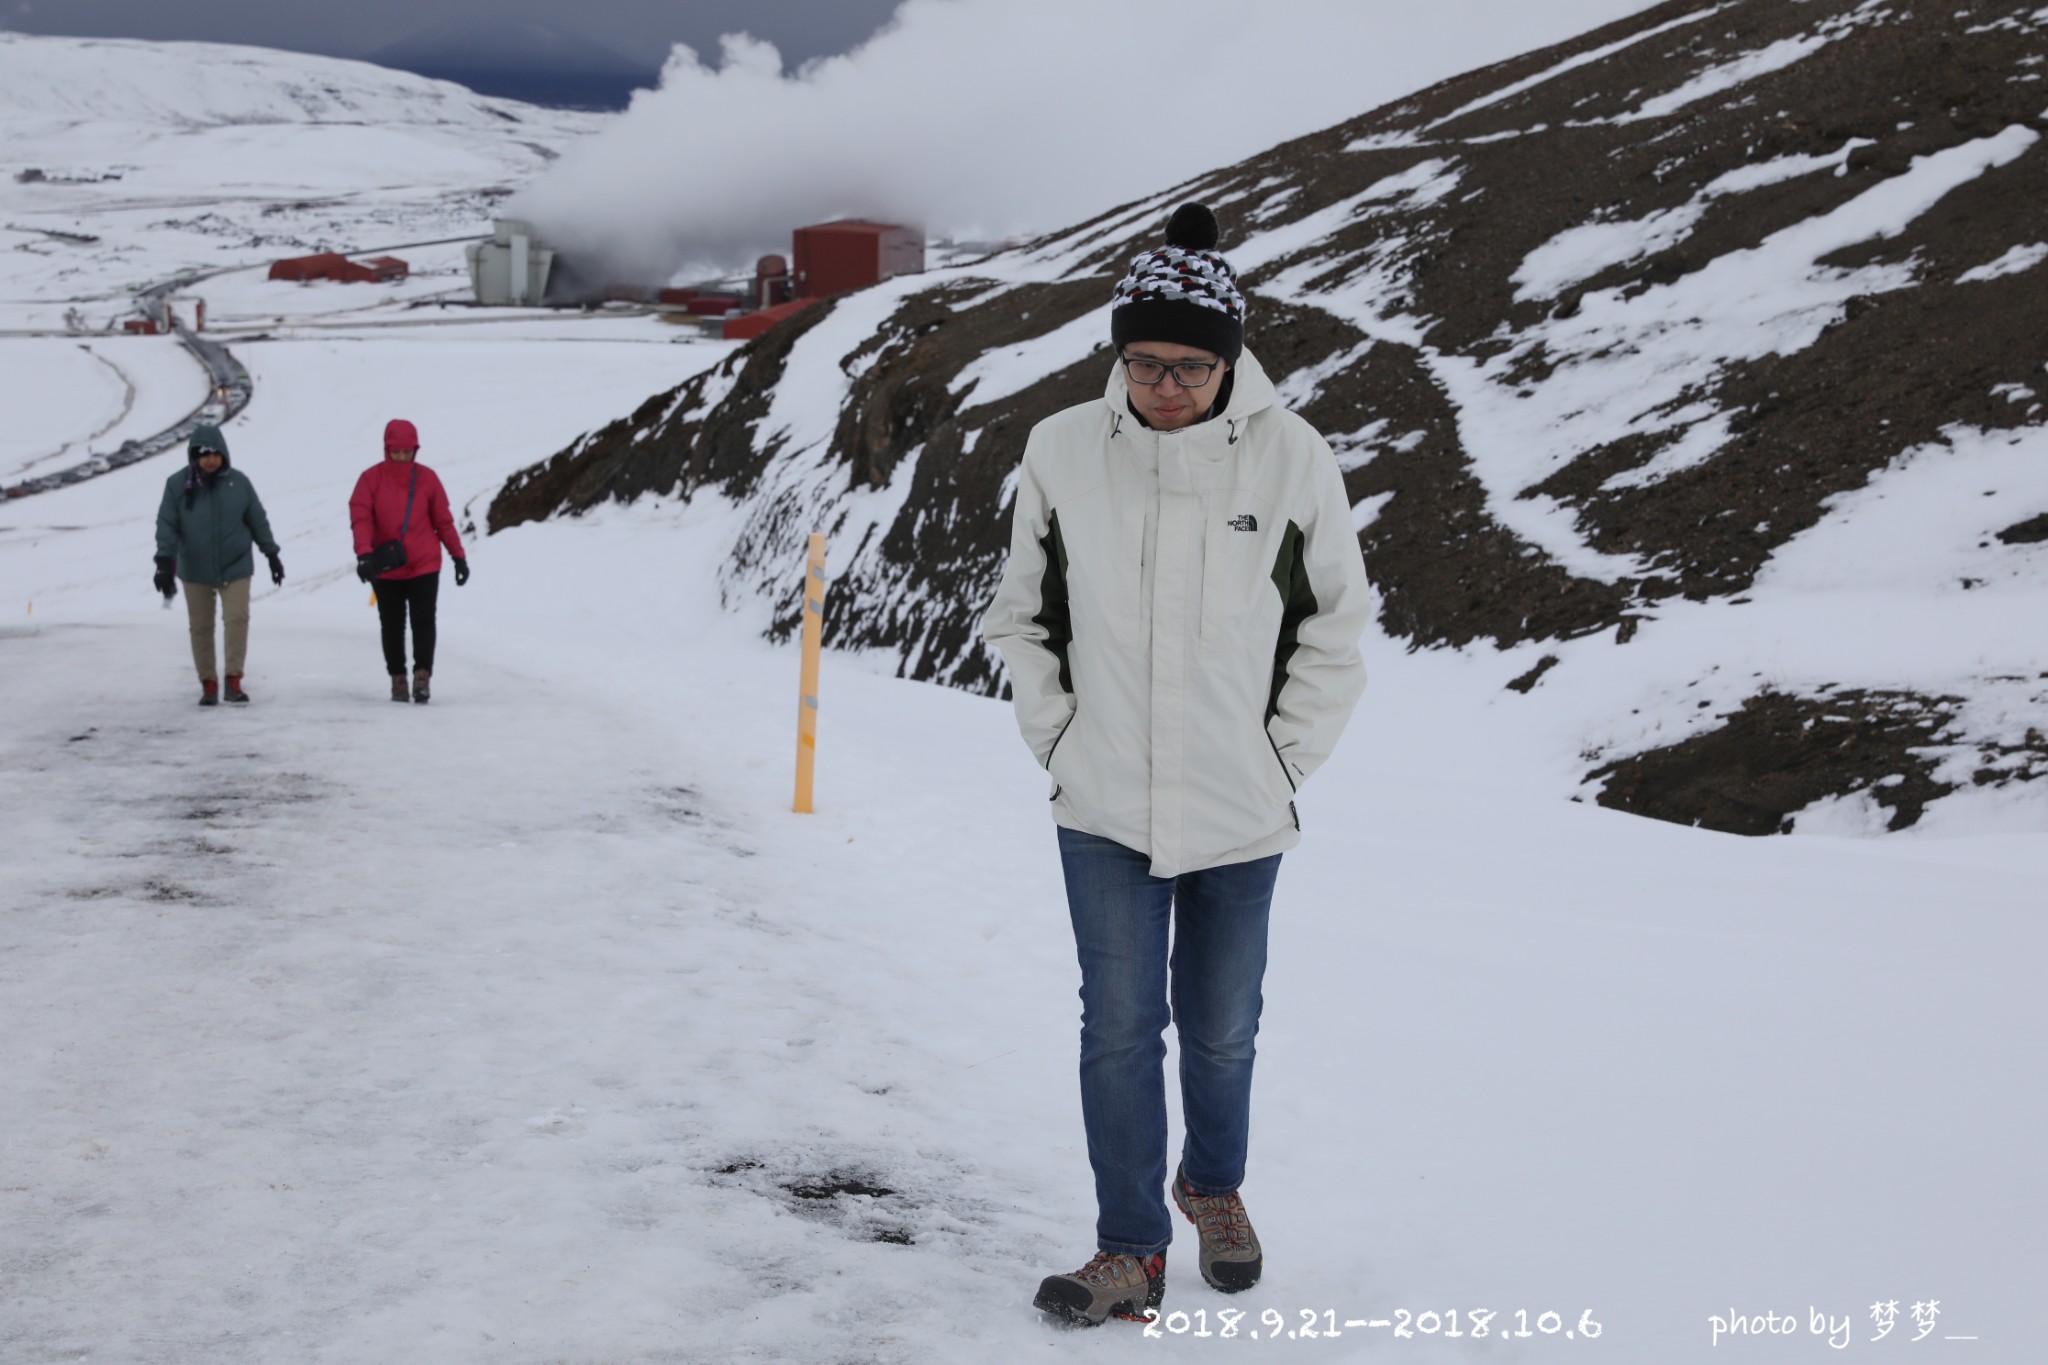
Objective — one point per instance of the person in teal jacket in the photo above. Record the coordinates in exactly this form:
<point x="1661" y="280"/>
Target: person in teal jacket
<point x="208" y="519"/>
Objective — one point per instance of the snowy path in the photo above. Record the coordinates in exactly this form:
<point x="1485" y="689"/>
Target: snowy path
<point x="562" y="1052"/>
<point x="350" y="1026"/>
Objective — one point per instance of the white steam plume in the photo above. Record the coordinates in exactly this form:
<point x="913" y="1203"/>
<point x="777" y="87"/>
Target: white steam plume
<point x="985" y="118"/>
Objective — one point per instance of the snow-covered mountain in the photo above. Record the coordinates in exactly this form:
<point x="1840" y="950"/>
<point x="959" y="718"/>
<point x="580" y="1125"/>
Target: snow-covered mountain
<point x="199" y="156"/>
<point x="1693" y="365"/>
<point x="66" y="81"/>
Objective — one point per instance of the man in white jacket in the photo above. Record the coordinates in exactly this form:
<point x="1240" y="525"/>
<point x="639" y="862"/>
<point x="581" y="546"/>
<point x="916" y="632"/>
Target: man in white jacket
<point x="1180" y="615"/>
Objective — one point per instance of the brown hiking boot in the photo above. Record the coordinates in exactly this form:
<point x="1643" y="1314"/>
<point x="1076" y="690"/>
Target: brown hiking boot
<point x="420" y="679"/>
<point x="209" y="692"/>
<point x="1231" y="1258"/>
<point x="233" y="692"/>
<point x="1110" y="1285"/>
<point x="399" y="691"/>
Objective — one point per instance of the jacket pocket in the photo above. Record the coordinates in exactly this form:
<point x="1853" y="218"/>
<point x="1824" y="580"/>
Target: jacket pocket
<point x="1285" y="774"/>
<point x="1053" y="752"/>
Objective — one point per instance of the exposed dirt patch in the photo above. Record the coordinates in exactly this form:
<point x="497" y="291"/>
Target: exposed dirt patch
<point x="833" y="1186"/>
<point x="1781" y="753"/>
<point x="2032" y="531"/>
<point x="1526" y="683"/>
<point x="849" y="1199"/>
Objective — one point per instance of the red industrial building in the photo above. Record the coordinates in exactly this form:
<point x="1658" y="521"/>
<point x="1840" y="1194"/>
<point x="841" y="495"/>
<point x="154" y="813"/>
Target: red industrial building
<point x="747" y="326"/>
<point x="332" y="265"/>
<point x="832" y="258"/>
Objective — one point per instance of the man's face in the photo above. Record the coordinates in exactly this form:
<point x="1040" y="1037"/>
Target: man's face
<point x="210" y="462"/>
<point x="1170" y="405"/>
<point x="401" y="455"/>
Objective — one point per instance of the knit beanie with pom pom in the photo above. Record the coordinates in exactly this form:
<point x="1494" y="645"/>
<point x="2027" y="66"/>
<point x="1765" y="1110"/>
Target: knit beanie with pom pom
<point x="1183" y="292"/>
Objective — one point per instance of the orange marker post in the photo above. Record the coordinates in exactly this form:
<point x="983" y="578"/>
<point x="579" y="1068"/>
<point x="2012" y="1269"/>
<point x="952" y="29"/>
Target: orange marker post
<point x="807" y="692"/>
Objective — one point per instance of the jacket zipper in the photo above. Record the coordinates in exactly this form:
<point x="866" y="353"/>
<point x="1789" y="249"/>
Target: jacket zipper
<point x="220" y="545"/>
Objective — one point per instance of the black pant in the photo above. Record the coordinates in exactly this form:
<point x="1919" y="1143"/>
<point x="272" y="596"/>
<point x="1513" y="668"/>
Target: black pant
<point x="394" y="597"/>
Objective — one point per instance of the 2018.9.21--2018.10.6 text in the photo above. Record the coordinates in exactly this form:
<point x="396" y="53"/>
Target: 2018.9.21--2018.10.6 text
<point x="1403" y="1324"/>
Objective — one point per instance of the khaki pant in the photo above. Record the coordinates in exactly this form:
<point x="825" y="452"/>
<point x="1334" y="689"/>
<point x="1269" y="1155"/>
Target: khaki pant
<point x="234" y="610"/>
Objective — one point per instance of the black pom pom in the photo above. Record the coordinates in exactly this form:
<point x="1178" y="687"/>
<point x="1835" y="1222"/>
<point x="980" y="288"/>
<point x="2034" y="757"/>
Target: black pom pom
<point x="1192" y="228"/>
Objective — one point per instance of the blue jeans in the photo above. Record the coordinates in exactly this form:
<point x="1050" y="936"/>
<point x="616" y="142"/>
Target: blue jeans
<point x="1121" y="917"/>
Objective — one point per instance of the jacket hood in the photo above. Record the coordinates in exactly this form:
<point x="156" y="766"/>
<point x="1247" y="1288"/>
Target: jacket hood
<point x="1251" y="391"/>
<point x="206" y="436"/>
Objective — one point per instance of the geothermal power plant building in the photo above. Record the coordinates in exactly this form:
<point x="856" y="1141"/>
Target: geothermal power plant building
<point x="512" y="267"/>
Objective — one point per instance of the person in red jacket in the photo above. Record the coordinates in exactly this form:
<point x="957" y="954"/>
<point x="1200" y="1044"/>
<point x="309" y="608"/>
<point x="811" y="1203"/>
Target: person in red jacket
<point x="400" y="516"/>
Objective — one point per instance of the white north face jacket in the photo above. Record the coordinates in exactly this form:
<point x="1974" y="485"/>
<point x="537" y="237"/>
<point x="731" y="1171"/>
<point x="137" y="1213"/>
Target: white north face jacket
<point x="1180" y="615"/>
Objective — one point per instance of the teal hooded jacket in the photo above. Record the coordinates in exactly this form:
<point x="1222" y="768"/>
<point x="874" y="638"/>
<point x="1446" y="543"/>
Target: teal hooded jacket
<point x="208" y="525"/>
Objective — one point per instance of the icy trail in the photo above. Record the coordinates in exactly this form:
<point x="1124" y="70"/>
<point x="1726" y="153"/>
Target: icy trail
<point x="349" y="1030"/>
<point x="529" y="1026"/>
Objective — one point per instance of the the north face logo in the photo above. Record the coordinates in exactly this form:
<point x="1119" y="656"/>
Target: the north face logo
<point x="1247" y="522"/>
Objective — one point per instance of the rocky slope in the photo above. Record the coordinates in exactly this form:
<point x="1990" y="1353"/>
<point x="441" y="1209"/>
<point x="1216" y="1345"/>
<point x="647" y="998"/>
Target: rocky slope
<point x="1611" y="340"/>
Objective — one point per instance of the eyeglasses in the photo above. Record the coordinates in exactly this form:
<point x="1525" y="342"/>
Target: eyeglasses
<point x="1189" y="374"/>
<point x="204" y="451"/>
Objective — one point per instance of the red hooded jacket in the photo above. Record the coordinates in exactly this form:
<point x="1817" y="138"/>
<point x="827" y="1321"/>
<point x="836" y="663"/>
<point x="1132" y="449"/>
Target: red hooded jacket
<point x="377" y="507"/>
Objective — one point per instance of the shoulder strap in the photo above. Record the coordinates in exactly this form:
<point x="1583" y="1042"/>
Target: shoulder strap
<point x="409" y="489"/>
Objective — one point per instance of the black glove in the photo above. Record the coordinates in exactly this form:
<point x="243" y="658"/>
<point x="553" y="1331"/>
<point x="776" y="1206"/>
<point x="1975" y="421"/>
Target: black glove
<point x="276" y="570"/>
<point x="166" y="579"/>
<point x="461" y="572"/>
<point x="363" y="568"/>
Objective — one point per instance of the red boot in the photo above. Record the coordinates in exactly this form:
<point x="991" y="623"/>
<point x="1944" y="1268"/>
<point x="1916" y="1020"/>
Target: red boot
<point x="233" y="692"/>
<point x="209" y="692"/>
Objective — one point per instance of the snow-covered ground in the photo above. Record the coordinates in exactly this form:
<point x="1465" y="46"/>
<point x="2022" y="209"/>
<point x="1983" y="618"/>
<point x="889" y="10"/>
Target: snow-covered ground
<point x="531" y="1025"/>
<point x="504" y="1029"/>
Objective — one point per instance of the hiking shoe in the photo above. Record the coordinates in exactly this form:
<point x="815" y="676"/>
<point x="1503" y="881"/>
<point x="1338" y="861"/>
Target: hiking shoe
<point x="233" y="692"/>
<point x="399" y="691"/>
<point x="209" y="692"/>
<point x="420" y="679"/>
<point x="1123" y="1286"/>
<point x="1231" y="1258"/>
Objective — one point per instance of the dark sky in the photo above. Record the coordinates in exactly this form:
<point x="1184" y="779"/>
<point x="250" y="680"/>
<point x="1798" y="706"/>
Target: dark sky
<point x="639" y="29"/>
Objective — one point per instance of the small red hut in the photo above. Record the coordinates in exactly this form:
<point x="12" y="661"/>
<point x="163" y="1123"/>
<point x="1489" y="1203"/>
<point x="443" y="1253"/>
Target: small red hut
<point x="332" y="265"/>
<point x="832" y="258"/>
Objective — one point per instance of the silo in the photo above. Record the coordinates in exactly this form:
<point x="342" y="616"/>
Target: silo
<point x="511" y="268"/>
